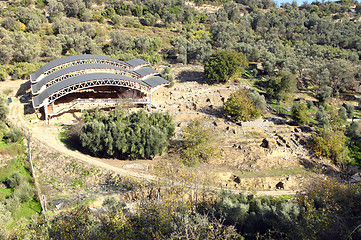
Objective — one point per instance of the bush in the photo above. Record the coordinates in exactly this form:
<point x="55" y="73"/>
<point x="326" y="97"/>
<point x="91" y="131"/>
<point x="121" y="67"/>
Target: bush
<point x="14" y="135"/>
<point x="223" y="64"/>
<point x="14" y="180"/>
<point x="331" y="144"/>
<point x="299" y="113"/>
<point x="4" y="109"/>
<point x="342" y="113"/>
<point x="12" y="204"/>
<point x="310" y="104"/>
<point x="167" y="75"/>
<point x="321" y="117"/>
<point x="279" y="86"/>
<point x="24" y="193"/>
<point x="136" y="135"/>
<point x="245" y="105"/>
<point x="198" y="143"/>
<point x="5" y="215"/>
<point x="349" y="109"/>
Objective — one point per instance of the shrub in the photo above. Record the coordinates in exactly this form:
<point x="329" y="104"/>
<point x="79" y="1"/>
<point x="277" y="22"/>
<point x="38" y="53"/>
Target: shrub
<point x="198" y="143"/>
<point x="167" y="75"/>
<point x="342" y="113"/>
<point x="223" y="64"/>
<point x="331" y="144"/>
<point x="14" y="180"/>
<point x="245" y="105"/>
<point x="12" y="204"/>
<point x="349" y="109"/>
<point x="14" y="135"/>
<point x="24" y="193"/>
<point x="279" y="86"/>
<point x="321" y="117"/>
<point x="136" y="135"/>
<point x="299" y="113"/>
<point x="310" y="104"/>
<point x="4" y="109"/>
<point x="5" y="215"/>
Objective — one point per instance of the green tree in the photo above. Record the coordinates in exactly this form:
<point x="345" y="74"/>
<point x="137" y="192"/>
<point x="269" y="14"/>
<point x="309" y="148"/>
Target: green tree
<point x="198" y="143"/>
<point x="299" y="113"/>
<point x="331" y="144"/>
<point x="14" y="180"/>
<point x="4" y="109"/>
<point x="244" y="105"/>
<point x="223" y="64"/>
<point x="281" y="85"/>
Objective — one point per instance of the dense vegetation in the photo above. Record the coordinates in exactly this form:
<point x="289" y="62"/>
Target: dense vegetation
<point x="17" y="193"/>
<point x="199" y="143"/>
<point x="222" y="65"/>
<point x="327" y="209"/>
<point x="245" y="105"/>
<point x="136" y="135"/>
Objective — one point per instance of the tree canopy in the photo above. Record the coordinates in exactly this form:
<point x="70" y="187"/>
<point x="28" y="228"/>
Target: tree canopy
<point x="137" y="135"/>
<point x="223" y="64"/>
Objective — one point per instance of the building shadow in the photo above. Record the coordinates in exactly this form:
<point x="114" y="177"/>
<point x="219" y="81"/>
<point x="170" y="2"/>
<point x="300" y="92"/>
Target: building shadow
<point x="196" y="76"/>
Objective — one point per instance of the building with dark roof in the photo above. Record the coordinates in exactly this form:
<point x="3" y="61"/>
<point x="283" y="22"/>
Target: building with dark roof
<point x="93" y="79"/>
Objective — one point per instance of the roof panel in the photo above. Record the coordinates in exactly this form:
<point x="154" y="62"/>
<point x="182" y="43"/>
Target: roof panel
<point x="39" y="99"/>
<point x="137" y="62"/>
<point x="145" y="71"/>
<point x="37" y="86"/>
<point x="155" y="81"/>
<point x="63" y="60"/>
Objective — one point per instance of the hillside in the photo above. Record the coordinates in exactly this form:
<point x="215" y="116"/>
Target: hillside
<point x="265" y="173"/>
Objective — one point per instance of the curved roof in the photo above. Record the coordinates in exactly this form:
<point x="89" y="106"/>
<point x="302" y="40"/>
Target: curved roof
<point x="155" y="81"/>
<point x="38" y="100"/>
<point x="137" y="62"/>
<point x="68" y="59"/>
<point x="36" y="87"/>
<point x="145" y="71"/>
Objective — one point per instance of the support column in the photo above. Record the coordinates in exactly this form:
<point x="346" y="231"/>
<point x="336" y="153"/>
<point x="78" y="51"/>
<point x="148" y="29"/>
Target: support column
<point x="149" y="105"/>
<point x="46" y="113"/>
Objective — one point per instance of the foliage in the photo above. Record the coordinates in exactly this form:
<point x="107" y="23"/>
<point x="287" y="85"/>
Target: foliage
<point x="198" y="143"/>
<point x="257" y="216"/>
<point x="14" y="180"/>
<point x="321" y="117"/>
<point x="299" y="113"/>
<point x="343" y="113"/>
<point x="331" y="209"/>
<point x="135" y="135"/>
<point x="349" y="109"/>
<point x="279" y="86"/>
<point x="167" y="75"/>
<point x="331" y="143"/>
<point x="14" y="135"/>
<point x="245" y="105"/>
<point x="3" y="108"/>
<point x="223" y="64"/>
<point x="323" y="95"/>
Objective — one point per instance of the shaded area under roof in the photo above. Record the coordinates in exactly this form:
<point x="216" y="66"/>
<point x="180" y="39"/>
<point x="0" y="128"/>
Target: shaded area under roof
<point x="137" y="62"/>
<point x="39" y="99"/>
<point x="37" y="86"/>
<point x="67" y="59"/>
